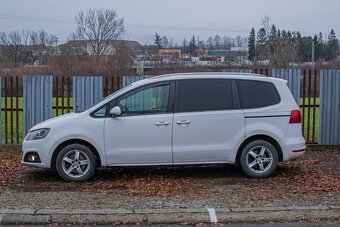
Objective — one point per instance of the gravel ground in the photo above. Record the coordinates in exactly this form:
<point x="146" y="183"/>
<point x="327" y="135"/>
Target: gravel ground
<point x="311" y="180"/>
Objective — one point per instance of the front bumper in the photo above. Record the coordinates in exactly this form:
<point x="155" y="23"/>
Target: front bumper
<point x="43" y="147"/>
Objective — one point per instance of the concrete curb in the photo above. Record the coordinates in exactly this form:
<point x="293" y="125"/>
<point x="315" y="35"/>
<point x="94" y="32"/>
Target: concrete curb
<point x="170" y="216"/>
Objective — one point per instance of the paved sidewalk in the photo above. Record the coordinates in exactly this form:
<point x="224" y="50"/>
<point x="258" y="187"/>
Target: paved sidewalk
<point x="171" y="216"/>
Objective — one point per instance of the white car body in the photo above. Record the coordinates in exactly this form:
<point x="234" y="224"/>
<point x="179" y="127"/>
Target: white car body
<point x="211" y="136"/>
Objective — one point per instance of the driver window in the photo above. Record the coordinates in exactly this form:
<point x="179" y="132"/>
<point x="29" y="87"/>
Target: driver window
<point x="150" y="100"/>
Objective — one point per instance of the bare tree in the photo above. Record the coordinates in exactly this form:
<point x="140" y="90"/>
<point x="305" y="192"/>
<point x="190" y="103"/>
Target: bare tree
<point x="217" y="42"/>
<point x="266" y="24"/>
<point x="42" y="45"/>
<point x="165" y="42"/>
<point x="26" y="46"/>
<point x="120" y="63"/>
<point x="210" y="43"/>
<point x="99" y="28"/>
<point x="226" y="42"/>
<point x="239" y="41"/>
<point x="14" y="47"/>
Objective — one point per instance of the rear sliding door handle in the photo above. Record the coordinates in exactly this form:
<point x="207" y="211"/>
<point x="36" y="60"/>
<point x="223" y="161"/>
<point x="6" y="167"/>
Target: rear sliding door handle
<point x="162" y="123"/>
<point x="185" y="122"/>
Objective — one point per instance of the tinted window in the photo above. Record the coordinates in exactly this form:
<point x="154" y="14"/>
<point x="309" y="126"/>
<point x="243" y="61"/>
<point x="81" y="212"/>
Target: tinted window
<point x="204" y="95"/>
<point x="256" y="94"/>
<point x="146" y="101"/>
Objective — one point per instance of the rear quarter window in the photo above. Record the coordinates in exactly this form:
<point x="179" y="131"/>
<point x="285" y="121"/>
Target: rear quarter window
<point x="257" y="94"/>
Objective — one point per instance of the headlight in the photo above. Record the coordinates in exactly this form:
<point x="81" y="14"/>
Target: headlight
<point x="37" y="134"/>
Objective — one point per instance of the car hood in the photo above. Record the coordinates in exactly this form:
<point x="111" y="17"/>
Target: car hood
<point x="55" y="121"/>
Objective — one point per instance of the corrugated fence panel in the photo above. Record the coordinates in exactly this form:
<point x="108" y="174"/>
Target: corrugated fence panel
<point x="127" y="80"/>
<point x="37" y="95"/>
<point x="87" y="91"/>
<point x="329" y="119"/>
<point x="293" y="77"/>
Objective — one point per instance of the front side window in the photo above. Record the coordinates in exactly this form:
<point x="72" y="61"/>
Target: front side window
<point x="205" y="95"/>
<point x="151" y="100"/>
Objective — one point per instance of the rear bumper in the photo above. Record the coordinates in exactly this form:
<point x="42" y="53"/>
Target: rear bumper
<point x="293" y="148"/>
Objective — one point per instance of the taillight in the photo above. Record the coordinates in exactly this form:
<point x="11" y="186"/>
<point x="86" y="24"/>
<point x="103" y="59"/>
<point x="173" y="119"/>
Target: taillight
<point x="295" y="117"/>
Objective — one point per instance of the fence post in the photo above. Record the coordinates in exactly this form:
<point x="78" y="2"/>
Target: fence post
<point x="329" y="119"/>
<point x="37" y="95"/>
<point x="293" y="77"/>
<point x="87" y="91"/>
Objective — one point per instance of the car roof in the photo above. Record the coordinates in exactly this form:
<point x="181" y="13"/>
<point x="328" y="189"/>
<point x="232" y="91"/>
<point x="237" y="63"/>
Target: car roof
<point x="209" y="75"/>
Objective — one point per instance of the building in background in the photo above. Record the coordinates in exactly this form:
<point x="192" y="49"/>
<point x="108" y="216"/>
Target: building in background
<point x="83" y="47"/>
<point x="172" y="53"/>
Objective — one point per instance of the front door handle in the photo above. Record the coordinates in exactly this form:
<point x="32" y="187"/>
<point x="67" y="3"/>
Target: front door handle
<point x="162" y="123"/>
<point x="185" y="122"/>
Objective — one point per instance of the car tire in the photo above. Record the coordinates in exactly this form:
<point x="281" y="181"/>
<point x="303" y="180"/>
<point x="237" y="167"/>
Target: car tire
<point x="259" y="159"/>
<point x="76" y="163"/>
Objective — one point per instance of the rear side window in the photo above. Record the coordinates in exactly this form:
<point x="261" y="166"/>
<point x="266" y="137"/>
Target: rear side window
<point x="257" y="94"/>
<point x="205" y="95"/>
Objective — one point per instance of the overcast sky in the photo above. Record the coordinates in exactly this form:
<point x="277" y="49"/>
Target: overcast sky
<point x="176" y="19"/>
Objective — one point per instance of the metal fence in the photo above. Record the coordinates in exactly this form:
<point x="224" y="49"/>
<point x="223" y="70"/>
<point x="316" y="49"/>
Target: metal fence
<point x="329" y="124"/>
<point x="37" y="100"/>
<point x="87" y="91"/>
<point x="29" y="99"/>
<point x="11" y="110"/>
<point x="293" y="77"/>
<point x="64" y="94"/>
<point x="307" y="98"/>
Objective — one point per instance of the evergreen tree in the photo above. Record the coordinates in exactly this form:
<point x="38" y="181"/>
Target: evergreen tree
<point x="252" y="45"/>
<point x="262" y="36"/>
<point x="332" y="46"/>
<point x="192" y="46"/>
<point x="273" y="32"/>
<point x="261" y="49"/>
<point x="158" y="40"/>
<point x="273" y="40"/>
<point x="321" y="47"/>
<point x="185" y="46"/>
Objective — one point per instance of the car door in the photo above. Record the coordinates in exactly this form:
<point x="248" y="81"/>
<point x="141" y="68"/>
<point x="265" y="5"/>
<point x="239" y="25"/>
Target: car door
<point x="208" y="123"/>
<point x="143" y="133"/>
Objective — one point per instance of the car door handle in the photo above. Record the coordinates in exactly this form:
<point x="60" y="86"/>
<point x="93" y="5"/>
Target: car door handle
<point x="162" y="123"/>
<point x="185" y="122"/>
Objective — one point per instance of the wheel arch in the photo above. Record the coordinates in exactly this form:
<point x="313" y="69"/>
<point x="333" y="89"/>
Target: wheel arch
<point x="259" y="137"/>
<point x="75" y="141"/>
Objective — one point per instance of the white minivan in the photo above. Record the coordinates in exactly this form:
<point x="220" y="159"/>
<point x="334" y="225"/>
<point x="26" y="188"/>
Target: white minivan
<point x="178" y="119"/>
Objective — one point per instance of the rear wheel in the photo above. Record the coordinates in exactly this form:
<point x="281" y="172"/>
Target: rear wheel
<point x="76" y="163"/>
<point x="259" y="159"/>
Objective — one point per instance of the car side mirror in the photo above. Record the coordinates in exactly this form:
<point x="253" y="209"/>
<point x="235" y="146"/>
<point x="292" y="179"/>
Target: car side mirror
<point x="115" y="111"/>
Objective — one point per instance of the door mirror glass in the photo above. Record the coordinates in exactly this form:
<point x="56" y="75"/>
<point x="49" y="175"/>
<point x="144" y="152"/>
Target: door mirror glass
<point x="115" y="111"/>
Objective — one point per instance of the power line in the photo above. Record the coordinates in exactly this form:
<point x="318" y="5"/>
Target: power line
<point x="35" y="19"/>
<point x="137" y="26"/>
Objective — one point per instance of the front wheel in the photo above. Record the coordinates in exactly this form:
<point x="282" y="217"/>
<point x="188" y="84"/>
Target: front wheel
<point x="76" y="163"/>
<point x="259" y="159"/>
